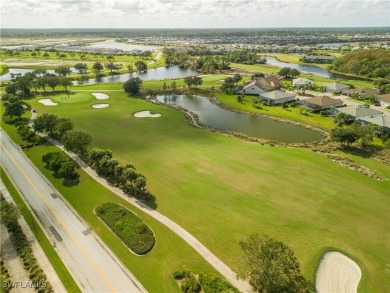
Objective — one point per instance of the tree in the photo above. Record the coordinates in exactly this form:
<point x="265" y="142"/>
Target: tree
<point x="173" y="86"/>
<point x="97" y="68"/>
<point x="62" y="126"/>
<point x="96" y="155"/>
<point x="294" y="72"/>
<point x="141" y="66"/>
<point x="65" y="82"/>
<point x="9" y="213"/>
<point x="82" y="68"/>
<point x="11" y="88"/>
<point x="193" y="81"/>
<point x="14" y="109"/>
<point x="45" y="122"/>
<point x="344" y="135"/>
<point x="46" y="55"/>
<point x="24" y="83"/>
<point x="52" y="81"/>
<point x="112" y="67"/>
<point x="40" y="71"/>
<point x="77" y="141"/>
<point x="68" y="171"/>
<point x="63" y="70"/>
<point x="133" y="86"/>
<point x="271" y="266"/>
<point x="229" y="85"/>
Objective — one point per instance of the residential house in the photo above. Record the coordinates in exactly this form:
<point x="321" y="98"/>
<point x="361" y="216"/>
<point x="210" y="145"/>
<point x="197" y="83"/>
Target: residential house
<point x="322" y="103"/>
<point x="302" y="82"/>
<point x="335" y="87"/>
<point x="276" y="97"/>
<point x="262" y="85"/>
<point x="364" y="92"/>
<point x="359" y="111"/>
<point x="318" y="59"/>
<point x="382" y="121"/>
<point x="384" y="100"/>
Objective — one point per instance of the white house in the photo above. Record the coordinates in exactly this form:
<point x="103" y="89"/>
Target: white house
<point x="253" y="88"/>
<point x="335" y="87"/>
<point x="382" y="121"/>
<point x="262" y="85"/>
<point x="359" y="111"/>
<point x="276" y="97"/>
<point x="384" y="100"/>
<point x="302" y="82"/>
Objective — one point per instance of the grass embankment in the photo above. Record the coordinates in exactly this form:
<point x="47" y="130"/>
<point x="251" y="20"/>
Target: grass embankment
<point x="3" y="69"/>
<point x="65" y="277"/>
<point x="128" y="227"/>
<point x="300" y="197"/>
<point x="290" y="113"/>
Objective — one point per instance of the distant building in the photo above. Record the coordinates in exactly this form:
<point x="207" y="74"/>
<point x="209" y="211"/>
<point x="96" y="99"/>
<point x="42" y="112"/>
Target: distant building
<point x="335" y="87"/>
<point x="276" y="97"/>
<point x="382" y="121"/>
<point x="262" y="85"/>
<point x="365" y="92"/>
<point x="302" y="82"/>
<point x="322" y="103"/>
<point x="384" y="100"/>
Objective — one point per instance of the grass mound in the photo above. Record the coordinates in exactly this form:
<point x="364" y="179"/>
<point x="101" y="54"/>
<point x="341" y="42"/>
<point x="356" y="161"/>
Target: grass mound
<point x="128" y="227"/>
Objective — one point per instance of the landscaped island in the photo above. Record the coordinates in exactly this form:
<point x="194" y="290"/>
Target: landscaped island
<point x="128" y="227"/>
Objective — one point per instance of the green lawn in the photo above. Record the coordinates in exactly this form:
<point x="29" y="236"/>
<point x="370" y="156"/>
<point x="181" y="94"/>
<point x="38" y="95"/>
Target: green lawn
<point x="222" y="190"/>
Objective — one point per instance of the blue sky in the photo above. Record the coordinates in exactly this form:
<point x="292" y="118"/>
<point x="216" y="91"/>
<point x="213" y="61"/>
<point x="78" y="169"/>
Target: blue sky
<point x="193" y="13"/>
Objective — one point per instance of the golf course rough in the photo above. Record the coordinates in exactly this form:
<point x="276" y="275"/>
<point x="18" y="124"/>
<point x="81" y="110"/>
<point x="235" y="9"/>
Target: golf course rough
<point x="132" y="230"/>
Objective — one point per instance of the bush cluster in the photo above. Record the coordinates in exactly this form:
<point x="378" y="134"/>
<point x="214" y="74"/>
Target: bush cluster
<point x="123" y="176"/>
<point x="128" y="227"/>
<point x="23" y="248"/>
<point x="62" y="165"/>
<point x="5" y="278"/>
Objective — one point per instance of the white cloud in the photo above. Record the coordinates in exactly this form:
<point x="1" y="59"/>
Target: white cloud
<point x="194" y="13"/>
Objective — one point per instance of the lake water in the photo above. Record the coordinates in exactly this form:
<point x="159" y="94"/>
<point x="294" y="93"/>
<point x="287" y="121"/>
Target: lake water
<point x="311" y="69"/>
<point x="151" y="74"/>
<point x="111" y="44"/>
<point x="249" y="124"/>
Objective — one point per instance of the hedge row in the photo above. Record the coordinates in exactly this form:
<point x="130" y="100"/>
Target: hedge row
<point x="5" y="278"/>
<point x="128" y="227"/>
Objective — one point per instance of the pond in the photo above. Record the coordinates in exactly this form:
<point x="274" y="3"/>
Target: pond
<point x="111" y="44"/>
<point x="249" y="124"/>
<point x="22" y="71"/>
<point x="315" y="70"/>
<point x="151" y="74"/>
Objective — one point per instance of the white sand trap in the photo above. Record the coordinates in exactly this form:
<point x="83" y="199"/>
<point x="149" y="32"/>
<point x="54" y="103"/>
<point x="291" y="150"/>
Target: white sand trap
<point x="98" y="106"/>
<point x="47" y="102"/>
<point x="337" y="273"/>
<point x="146" y="114"/>
<point x="100" y="96"/>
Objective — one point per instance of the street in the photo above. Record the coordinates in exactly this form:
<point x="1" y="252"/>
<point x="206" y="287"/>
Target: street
<point x="91" y="263"/>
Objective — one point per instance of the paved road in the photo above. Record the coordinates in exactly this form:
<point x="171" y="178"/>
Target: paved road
<point x="92" y="264"/>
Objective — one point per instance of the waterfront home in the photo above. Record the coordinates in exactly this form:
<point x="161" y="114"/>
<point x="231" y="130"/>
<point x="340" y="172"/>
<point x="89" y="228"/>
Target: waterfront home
<point x="302" y="82"/>
<point x="382" y="121"/>
<point x="363" y="92"/>
<point x="359" y="111"/>
<point x="322" y="103"/>
<point x="384" y="100"/>
<point x="262" y="85"/>
<point x="276" y="97"/>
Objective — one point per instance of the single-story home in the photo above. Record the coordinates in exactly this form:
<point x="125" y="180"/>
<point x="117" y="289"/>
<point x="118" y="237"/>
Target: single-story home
<point x="318" y="59"/>
<point x="359" y="111"/>
<point x="384" y="100"/>
<point x="335" y="87"/>
<point x="276" y="97"/>
<point x="322" y="103"/>
<point x="383" y="121"/>
<point x="262" y="85"/>
<point x="302" y="82"/>
<point x="362" y="92"/>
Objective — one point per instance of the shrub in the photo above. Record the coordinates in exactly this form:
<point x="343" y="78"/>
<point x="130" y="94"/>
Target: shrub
<point x="178" y="275"/>
<point x="213" y="284"/>
<point x="190" y="285"/>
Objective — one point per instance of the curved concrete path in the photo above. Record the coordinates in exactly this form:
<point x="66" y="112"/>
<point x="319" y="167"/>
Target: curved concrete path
<point x="212" y="259"/>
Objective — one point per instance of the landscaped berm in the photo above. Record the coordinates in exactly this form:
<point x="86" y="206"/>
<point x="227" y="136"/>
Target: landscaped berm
<point x="128" y="227"/>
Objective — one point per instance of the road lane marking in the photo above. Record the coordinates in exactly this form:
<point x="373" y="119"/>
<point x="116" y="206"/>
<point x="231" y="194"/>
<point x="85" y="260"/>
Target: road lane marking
<point x="91" y="261"/>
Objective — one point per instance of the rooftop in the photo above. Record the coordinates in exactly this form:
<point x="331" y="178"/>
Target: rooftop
<point x="359" y="111"/>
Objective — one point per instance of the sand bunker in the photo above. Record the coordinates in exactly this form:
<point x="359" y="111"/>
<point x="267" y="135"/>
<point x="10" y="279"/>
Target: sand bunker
<point x="98" y="106"/>
<point x="100" y="96"/>
<point x="146" y="114"/>
<point x="337" y="273"/>
<point x="47" y="102"/>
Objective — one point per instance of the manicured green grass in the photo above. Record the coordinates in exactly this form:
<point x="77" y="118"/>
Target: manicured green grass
<point x="222" y="190"/>
<point x="75" y="97"/>
<point x="53" y="257"/>
<point x="3" y="69"/>
<point x="128" y="227"/>
<point x="291" y="113"/>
